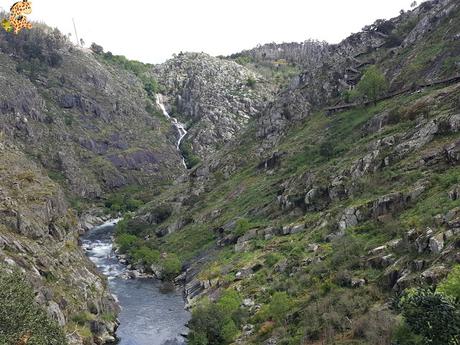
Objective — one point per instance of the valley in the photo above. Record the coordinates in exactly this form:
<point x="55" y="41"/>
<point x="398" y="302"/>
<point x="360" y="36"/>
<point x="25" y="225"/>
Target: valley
<point x="289" y="194"/>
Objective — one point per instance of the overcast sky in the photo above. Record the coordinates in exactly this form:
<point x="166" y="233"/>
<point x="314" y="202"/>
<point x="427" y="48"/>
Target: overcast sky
<point x="152" y="30"/>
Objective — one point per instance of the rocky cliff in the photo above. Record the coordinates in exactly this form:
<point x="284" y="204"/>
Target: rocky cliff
<point x="88" y="122"/>
<point x="75" y="127"/>
<point x="39" y="238"/>
<point x="214" y="97"/>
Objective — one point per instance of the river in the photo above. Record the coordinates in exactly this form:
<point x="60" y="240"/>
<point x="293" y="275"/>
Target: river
<point x="148" y="316"/>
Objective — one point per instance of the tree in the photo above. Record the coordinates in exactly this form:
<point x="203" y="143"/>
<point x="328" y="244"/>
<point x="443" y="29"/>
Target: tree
<point x="432" y="316"/>
<point x="211" y="324"/>
<point x="373" y="84"/>
<point x="21" y="317"/>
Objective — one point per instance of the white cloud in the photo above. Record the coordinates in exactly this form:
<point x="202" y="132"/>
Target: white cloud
<point x="152" y="30"/>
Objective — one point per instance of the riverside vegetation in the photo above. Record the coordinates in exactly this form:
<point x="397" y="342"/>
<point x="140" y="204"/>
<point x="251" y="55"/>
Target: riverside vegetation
<point x="291" y="225"/>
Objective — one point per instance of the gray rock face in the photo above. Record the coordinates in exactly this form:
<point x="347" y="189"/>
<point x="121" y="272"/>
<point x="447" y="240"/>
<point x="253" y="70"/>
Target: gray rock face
<point x="306" y="54"/>
<point x="214" y="97"/>
<point x="39" y="236"/>
<point x="80" y="115"/>
<point x="384" y="205"/>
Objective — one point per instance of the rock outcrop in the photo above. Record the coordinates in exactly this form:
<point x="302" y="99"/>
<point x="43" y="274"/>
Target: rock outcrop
<point x="39" y="237"/>
<point x="215" y="98"/>
<point x="87" y="121"/>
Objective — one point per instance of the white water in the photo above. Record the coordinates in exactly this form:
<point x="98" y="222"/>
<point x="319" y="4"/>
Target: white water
<point x="179" y="126"/>
<point x="148" y="317"/>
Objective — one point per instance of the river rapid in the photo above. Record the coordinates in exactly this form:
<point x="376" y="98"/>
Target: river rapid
<point x="148" y="316"/>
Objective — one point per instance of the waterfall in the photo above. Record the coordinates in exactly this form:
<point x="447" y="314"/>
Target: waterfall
<point x="179" y="126"/>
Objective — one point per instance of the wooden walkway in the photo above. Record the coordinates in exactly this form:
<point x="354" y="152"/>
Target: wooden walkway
<point x="343" y="107"/>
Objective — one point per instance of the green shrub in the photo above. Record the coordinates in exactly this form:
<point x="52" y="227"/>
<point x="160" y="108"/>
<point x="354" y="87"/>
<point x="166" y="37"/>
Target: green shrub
<point x="404" y="336"/>
<point x="451" y="285"/>
<point x="160" y="213"/>
<point x="272" y="259"/>
<point x="349" y="96"/>
<point x="212" y="323"/>
<point x="191" y="159"/>
<point x="326" y="150"/>
<point x="373" y="84"/>
<point x="82" y="318"/>
<point x="279" y="306"/>
<point x="171" y="267"/>
<point x="432" y="316"/>
<point x="21" y="316"/>
<point x="145" y="255"/>
<point x="230" y="301"/>
<point x="121" y="202"/>
<point x="251" y="82"/>
<point x="126" y="242"/>
<point x="242" y="225"/>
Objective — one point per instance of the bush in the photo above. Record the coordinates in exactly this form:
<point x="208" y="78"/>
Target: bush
<point x="272" y="259"/>
<point x="451" y="285"/>
<point x="191" y="159"/>
<point x="212" y="323"/>
<point x="146" y="256"/>
<point x="431" y="316"/>
<point x="326" y="150"/>
<point x="230" y="301"/>
<point x="242" y="225"/>
<point x="171" y="267"/>
<point x="126" y="242"/>
<point x="20" y="316"/>
<point x="151" y="87"/>
<point x="349" y="96"/>
<point x="161" y="213"/>
<point x="279" y="306"/>
<point x="121" y="202"/>
<point x="251" y="82"/>
<point x="404" y="336"/>
<point x="373" y="84"/>
<point x="82" y="318"/>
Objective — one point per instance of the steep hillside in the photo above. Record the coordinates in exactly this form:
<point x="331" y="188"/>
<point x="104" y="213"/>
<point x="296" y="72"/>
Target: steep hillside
<point x="38" y="239"/>
<point x="88" y="121"/>
<point x="281" y="62"/>
<point x="76" y="127"/>
<point x="214" y="97"/>
<point x="81" y="128"/>
<point x="316" y="218"/>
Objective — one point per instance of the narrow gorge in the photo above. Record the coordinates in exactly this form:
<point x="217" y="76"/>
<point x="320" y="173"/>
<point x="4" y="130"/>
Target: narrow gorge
<point x="147" y="316"/>
<point x="289" y="194"/>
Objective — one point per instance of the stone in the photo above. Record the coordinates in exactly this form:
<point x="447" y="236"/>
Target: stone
<point x="248" y="329"/>
<point x="357" y="282"/>
<point x="248" y="303"/>
<point x="378" y="250"/>
<point x="245" y="273"/>
<point x="454" y="194"/>
<point x="55" y="313"/>
<point x="348" y="219"/>
<point x="418" y="265"/>
<point x="281" y="266"/>
<point x="313" y="247"/>
<point x="435" y="274"/>
<point x="292" y="229"/>
<point x="436" y="243"/>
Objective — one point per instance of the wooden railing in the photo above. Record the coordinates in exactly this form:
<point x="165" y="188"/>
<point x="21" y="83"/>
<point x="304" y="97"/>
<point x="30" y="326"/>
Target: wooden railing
<point x="347" y="106"/>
